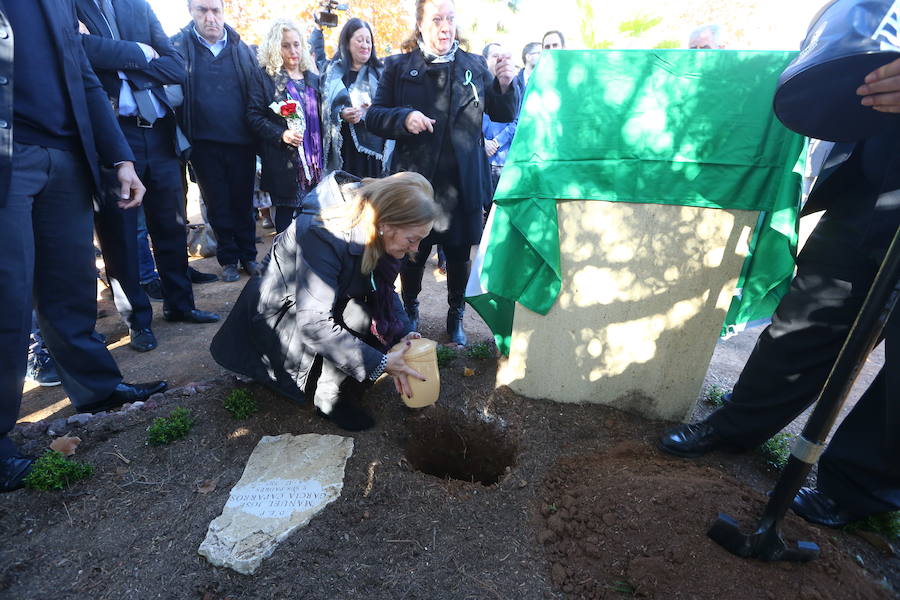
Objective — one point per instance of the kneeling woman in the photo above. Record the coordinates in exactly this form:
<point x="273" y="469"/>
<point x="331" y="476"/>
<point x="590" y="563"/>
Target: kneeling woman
<point x="320" y="320"/>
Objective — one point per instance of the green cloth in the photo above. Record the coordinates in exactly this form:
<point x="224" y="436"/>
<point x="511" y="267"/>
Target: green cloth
<point x="686" y="127"/>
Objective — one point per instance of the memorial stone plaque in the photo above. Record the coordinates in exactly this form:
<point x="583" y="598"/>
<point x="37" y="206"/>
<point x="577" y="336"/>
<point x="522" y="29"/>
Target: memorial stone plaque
<point x="288" y="480"/>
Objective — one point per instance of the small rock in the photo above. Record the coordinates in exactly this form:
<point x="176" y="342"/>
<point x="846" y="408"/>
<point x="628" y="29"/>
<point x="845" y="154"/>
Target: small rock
<point x="57" y="427"/>
<point x="80" y="419"/>
<point x="32" y="430"/>
<point x="156" y="398"/>
<point x="124" y="407"/>
<point x="181" y="392"/>
<point x="136" y="405"/>
<point x="203" y="388"/>
<point x="609" y="519"/>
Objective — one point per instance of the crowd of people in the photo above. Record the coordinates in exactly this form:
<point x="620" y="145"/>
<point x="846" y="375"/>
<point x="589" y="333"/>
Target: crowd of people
<point x="366" y="165"/>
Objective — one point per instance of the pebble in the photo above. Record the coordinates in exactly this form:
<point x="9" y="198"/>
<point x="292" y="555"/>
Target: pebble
<point x="80" y="419"/>
<point x="32" y="430"/>
<point x="136" y="405"/>
<point x="57" y="427"/>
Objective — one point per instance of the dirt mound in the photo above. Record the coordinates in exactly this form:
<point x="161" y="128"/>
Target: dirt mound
<point x="631" y="521"/>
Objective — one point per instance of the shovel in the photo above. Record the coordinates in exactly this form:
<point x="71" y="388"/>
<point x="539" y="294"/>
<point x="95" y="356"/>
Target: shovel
<point x="766" y="542"/>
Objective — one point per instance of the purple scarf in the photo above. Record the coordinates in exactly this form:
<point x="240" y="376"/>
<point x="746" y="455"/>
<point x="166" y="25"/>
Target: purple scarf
<point x="312" y="137"/>
<point x="385" y="324"/>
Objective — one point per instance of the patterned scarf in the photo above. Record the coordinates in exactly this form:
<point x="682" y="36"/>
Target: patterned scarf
<point x="336" y="95"/>
<point x="431" y="57"/>
<point x="385" y="324"/>
<point x="309" y="157"/>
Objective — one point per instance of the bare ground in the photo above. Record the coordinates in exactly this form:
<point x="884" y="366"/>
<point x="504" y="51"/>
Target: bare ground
<point x="579" y="503"/>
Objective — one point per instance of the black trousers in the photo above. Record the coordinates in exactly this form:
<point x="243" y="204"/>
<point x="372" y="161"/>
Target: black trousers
<point x="225" y="174"/>
<point x="46" y="246"/>
<point x="117" y="233"/>
<point x="793" y="356"/>
<point x="163" y="205"/>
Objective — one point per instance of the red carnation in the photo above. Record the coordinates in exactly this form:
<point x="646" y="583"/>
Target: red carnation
<point x="288" y="109"/>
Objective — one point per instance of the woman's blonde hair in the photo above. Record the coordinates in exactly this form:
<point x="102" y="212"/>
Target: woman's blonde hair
<point x="400" y="200"/>
<point x="269" y="52"/>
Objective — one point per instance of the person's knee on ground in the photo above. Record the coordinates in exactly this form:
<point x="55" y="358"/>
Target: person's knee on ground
<point x="336" y="396"/>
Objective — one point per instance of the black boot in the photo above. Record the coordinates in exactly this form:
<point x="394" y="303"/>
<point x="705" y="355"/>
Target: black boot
<point x="457" y="276"/>
<point x="411" y="281"/>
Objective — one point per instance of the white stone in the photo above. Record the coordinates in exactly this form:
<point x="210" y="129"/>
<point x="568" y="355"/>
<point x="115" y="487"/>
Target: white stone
<point x="287" y="481"/>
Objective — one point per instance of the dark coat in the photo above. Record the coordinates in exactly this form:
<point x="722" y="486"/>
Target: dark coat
<point x="99" y="135"/>
<point x="279" y="171"/>
<point x="294" y="312"/>
<point x="136" y="22"/>
<point x="245" y="59"/>
<point x="405" y="87"/>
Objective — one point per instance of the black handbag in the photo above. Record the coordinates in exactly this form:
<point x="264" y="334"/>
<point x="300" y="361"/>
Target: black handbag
<point x="816" y="94"/>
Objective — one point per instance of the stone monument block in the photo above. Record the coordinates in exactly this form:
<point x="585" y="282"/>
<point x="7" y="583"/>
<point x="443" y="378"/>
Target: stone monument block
<point x="645" y="289"/>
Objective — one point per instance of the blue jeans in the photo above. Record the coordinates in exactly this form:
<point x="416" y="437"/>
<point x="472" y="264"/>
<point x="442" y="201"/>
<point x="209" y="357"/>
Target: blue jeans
<point x="146" y="264"/>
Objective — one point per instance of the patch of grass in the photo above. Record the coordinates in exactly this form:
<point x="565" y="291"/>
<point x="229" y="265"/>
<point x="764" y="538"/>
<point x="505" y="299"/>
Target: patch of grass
<point x="715" y="395"/>
<point x="886" y="524"/>
<point x="53" y="471"/>
<point x="777" y="449"/>
<point x="445" y="355"/>
<point x="165" y="430"/>
<point x="240" y="403"/>
<point x="481" y="351"/>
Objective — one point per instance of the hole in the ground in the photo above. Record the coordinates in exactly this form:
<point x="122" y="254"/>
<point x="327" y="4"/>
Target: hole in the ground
<point x="451" y="445"/>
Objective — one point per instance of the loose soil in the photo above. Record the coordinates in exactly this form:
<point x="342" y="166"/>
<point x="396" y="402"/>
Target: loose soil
<point x="486" y="495"/>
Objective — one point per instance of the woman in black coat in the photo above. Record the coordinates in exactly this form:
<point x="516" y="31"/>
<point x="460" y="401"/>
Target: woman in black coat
<point x="326" y="299"/>
<point x="431" y="101"/>
<point x="284" y="114"/>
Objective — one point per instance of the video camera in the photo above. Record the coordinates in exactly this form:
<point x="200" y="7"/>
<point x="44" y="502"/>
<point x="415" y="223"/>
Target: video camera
<point x="327" y="18"/>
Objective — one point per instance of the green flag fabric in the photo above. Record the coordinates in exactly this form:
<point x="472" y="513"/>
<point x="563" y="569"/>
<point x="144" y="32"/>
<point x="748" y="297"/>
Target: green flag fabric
<point x="686" y="127"/>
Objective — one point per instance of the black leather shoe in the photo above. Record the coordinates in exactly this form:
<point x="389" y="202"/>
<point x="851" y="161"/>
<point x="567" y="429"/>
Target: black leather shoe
<point x="153" y="289"/>
<point x="191" y="316"/>
<point x="691" y="441"/>
<point x="13" y="471"/>
<point x="455" y="326"/>
<point x="142" y="340"/>
<point x="230" y="273"/>
<point x="200" y="277"/>
<point x="816" y="507"/>
<point x="125" y="392"/>
<point x="251" y="267"/>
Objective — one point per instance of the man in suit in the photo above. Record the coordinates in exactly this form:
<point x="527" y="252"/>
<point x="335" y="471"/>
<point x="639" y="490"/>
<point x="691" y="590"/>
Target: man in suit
<point x="56" y="127"/>
<point x="134" y="59"/>
<point x="221" y="72"/>
<point x="859" y="472"/>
